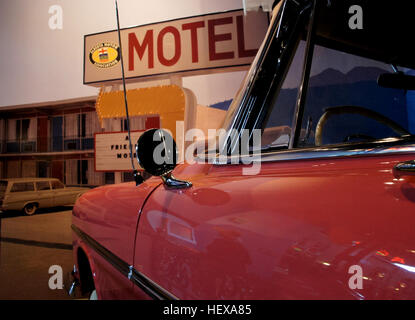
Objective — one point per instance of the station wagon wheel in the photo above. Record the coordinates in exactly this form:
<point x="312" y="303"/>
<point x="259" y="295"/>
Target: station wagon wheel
<point x="30" y="209"/>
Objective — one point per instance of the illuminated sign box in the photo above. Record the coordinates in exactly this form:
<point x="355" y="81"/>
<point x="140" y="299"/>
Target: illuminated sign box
<point x="196" y="45"/>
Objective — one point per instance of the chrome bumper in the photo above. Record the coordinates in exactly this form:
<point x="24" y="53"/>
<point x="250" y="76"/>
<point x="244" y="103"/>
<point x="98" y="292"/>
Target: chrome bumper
<point x="72" y="284"/>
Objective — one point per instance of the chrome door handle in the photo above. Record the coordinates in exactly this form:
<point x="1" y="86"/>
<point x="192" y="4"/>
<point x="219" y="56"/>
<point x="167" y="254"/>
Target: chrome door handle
<point x="404" y="169"/>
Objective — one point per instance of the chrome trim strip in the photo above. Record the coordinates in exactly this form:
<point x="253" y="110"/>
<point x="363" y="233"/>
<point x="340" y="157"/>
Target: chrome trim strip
<point x="252" y="74"/>
<point x="148" y="286"/>
<point x="305" y="79"/>
<point x="332" y="153"/>
<point x="384" y="147"/>
<point x="158" y="292"/>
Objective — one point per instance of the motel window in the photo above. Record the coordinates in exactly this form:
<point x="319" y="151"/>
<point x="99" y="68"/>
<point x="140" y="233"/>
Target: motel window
<point x="22" y="129"/>
<point x="136" y="123"/>
<point x="79" y="130"/>
<point x="94" y="178"/>
<point x="124" y="125"/>
<point x="56" y="133"/>
<point x="92" y="124"/>
<point x="76" y="172"/>
<point x="82" y="172"/>
<point x="43" y="169"/>
<point x="82" y="124"/>
<point x="71" y="127"/>
<point x="11" y="129"/>
<point x="71" y="172"/>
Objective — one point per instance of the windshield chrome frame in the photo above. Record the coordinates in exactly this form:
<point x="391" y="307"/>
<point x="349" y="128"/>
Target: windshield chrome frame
<point x="241" y="100"/>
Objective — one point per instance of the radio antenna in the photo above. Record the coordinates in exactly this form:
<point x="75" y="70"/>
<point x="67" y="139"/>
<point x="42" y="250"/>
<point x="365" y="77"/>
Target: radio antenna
<point x="137" y="177"/>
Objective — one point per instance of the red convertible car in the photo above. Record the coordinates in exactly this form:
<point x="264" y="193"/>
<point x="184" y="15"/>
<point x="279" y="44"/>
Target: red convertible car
<point x="330" y="214"/>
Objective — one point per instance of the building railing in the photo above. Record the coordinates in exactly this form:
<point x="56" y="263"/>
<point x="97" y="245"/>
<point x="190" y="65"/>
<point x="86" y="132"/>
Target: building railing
<point x="18" y="146"/>
<point x="72" y="144"/>
<point x="42" y="144"/>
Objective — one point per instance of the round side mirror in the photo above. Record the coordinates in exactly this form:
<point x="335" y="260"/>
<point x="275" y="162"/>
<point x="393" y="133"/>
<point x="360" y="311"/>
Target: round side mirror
<point x="157" y="152"/>
<point x="157" y="155"/>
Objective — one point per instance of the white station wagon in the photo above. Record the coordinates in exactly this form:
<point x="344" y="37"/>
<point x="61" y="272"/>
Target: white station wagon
<point x="30" y="194"/>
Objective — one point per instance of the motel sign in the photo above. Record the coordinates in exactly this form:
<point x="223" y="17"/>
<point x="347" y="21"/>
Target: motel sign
<point x="189" y="46"/>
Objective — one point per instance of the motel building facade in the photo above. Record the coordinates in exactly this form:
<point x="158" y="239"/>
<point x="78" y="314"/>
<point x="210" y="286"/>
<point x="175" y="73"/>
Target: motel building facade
<point x="57" y="140"/>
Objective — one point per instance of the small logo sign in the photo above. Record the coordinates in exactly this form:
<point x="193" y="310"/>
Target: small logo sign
<point x="105" y="55"/>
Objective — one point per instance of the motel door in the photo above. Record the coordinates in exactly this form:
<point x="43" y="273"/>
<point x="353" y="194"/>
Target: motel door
<point x="57" y="141"/>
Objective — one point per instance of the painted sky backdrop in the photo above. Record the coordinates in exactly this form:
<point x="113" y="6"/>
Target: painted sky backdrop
<point x="39" y="64"/>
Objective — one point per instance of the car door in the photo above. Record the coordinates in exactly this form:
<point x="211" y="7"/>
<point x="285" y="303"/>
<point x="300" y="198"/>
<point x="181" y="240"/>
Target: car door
<point x="60" y="195"/>
<point x="329" y="213"/>
<point x="44" y="194"/>
<point x="291" y="232"/>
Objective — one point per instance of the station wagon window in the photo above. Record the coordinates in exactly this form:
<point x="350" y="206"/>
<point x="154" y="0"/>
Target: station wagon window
<point x="345" y="104"/>
<point x="43" y="185"/>
<point x="22" y="187"/>
<point x="57" y="185"/>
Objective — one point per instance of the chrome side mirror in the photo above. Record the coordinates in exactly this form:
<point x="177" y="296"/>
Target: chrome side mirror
<point x="157" y="155"/>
